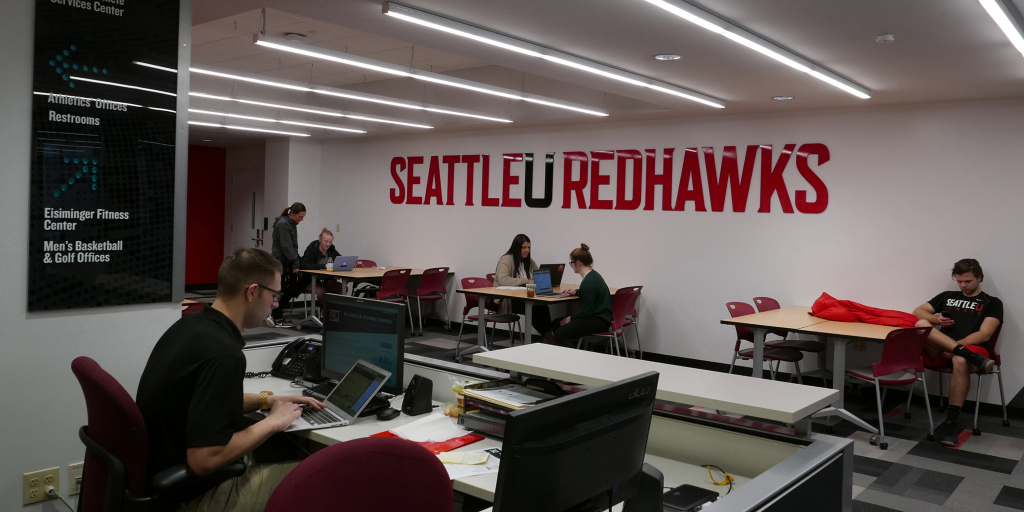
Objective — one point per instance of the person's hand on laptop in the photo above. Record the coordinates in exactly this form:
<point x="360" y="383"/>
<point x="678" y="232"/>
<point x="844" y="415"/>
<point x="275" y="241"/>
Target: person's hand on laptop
<point x="297" y="400"/>
<point x="282" y="414"/>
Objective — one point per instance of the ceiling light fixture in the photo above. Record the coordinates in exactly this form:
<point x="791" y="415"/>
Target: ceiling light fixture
<point x="271" y="120"/>
<point x="1006" y="15"/>
<point x="246" y="128"/>
<point x="331" y="113"/>
<point x="782" y="98"/>
<point x="426" y="19"/>
<point x="666" y="56"/>
<point x="712" y="22"/>
<point x="154" y="66"/>
<point x="398" y="70"/>
<point x="207" y="140"/>
<point x="341" y="93"/>
<point x="126" y="86"/>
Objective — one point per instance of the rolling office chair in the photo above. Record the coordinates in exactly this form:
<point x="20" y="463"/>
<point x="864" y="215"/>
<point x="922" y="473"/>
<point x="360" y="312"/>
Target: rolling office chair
<point x="114" y="477"/>
<point x="373" y="473"/>
<point x="489" y="316"/>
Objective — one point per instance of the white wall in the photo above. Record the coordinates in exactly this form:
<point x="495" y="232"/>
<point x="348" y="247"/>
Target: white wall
<point x="911" y="190"/>
<point x="304" y="187"/>
<point x="275" y="180"/>
<point x="44" y="406"/>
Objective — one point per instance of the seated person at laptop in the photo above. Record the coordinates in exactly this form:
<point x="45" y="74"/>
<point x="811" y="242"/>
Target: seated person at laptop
<point x="595" y="314"/>
<point x="515" y="268"/>
<point x="190" y="394"/>
<point x="318" y="253"/>
<point x="969" y="319"/>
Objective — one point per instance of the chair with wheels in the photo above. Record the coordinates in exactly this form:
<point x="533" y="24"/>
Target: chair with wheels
<point x="394" y="287"/>
<point x="490" y="315"/>
<point x="372" y="473"/>
<point x="116" y="441"/>
<point x="769" y="304"/>
<point x="990" y="345"/>
<point x="432" y="289"/>
<point x="901" y="365"/>
<point x="776" y="355"/>
<point x="623" y="302"/>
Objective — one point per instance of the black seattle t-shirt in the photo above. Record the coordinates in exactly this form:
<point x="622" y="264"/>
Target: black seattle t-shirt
<point x="190" y="394"/>
<point x="967" y="312"/>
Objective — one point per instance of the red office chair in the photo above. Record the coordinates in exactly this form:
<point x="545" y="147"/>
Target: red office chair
<point x="192" y="308"/>
<point x="901" y="365"/>
<point x="769" y="304"/>
<point x="394" y="287"/>
<point x="632" y="318"/>
<point x="372" y="473"/>
<point x="492" y="277"/>
<point x="320" y="291"/>
<point x="990" y="345"/>
<point x="114" y="477"/>
<point x="490" y="316"/>
<point x="432" y="289"/>
<point x="623" y="302"/>
<point x="365" y="263"/>
<point x="779" y="355"/>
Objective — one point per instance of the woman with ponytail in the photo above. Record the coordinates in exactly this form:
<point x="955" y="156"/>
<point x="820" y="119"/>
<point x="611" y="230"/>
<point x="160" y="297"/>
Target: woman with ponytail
<point x="595" y="313"/>
<point x="285" y="248"/>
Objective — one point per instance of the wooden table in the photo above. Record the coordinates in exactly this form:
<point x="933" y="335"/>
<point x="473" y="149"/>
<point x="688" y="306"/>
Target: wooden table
<point x="353" y="277"/>
<point x="797" y="320"/>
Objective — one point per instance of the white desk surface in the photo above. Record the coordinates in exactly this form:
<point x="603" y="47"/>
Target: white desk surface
<point x="773" y="400"/>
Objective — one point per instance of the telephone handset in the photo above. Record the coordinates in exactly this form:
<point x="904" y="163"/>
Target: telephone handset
<point x="300" y="358"/>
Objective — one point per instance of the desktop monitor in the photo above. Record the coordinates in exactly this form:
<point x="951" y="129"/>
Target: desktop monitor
<point x="371" y="330"/>
<point x="580" y="452"/>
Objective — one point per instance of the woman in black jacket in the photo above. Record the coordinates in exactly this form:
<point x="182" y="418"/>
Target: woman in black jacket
<point x="285" y="248"/>
<point x="318" y="252"/>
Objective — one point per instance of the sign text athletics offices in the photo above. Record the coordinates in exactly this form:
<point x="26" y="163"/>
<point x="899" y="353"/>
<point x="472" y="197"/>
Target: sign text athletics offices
<point x="584" y="177"/>
<point x="103" y="134"/>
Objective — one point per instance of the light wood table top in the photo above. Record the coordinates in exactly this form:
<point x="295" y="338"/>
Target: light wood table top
<point x="494" y="291"/>
<point x="791" y="319"/>
<point x="850" y="330"/>
<point x="773" y="400"/>
<point x="366" y="273"/>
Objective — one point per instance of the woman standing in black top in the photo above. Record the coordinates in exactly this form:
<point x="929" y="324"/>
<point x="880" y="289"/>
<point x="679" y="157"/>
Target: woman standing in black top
<point x="595" y="314"/>
<point x="285" y="248"/>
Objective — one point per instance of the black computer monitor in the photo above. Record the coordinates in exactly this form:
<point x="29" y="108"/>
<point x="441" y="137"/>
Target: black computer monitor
<point x="580" y="452"/>
<point x="358" y="328"/>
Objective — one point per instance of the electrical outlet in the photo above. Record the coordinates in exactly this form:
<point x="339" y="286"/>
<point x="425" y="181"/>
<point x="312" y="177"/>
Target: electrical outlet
<point x="35" y="482"/>
<point x="74" y="473"/>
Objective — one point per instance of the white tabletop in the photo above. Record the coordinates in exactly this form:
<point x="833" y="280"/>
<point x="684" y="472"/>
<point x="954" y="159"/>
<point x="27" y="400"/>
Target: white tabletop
<point x="773" y="400"/>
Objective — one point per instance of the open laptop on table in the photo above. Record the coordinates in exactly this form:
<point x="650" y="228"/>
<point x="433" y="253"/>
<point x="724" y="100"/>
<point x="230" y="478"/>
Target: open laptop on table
<point x="342" y="263"/>
<point x="542" y="278"/>
<point x="556" y="270"/>
<point x="346" y="401"/>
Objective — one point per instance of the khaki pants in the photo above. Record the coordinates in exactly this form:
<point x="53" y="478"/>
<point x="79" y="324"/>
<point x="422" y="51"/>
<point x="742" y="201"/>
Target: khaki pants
<point x="247" y="493"/>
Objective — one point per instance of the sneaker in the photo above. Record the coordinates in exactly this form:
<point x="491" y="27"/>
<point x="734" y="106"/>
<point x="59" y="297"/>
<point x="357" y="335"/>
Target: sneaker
<point x="982" y="363"/>
<point x="948" y="434"/>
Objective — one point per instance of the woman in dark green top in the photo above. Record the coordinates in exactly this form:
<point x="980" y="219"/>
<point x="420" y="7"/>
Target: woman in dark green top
<point x="595" y="314"/>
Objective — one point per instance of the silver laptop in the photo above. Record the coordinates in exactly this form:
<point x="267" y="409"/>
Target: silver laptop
<point x="346" y="401"/>
<point x="342" y="263"/>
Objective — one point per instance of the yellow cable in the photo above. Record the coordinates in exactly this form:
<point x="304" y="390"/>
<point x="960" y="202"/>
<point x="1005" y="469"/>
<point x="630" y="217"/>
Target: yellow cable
<point x="728" y="478"/>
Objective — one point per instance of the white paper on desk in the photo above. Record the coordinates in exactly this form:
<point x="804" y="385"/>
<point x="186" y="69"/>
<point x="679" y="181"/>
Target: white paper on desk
<point x="511" y="287"/>
<point x="464" y="470"/>
<point x="434" y="428"/>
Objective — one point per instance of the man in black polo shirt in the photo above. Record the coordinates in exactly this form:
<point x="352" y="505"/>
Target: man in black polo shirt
<point x="191" y="395"/>
<point x="968" y="318"/>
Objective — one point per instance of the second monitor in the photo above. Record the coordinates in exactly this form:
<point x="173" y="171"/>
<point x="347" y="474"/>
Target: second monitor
<point x="358" y="328"/>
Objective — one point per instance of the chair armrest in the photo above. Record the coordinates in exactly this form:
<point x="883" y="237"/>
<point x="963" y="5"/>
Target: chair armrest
<point x="176" y="479"/>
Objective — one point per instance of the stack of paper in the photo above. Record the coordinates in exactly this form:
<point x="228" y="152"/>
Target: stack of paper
<point x="510" y="396"/>
<point x="434" y="428"/>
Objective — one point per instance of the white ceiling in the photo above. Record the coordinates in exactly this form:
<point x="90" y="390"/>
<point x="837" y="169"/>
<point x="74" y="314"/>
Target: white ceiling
<point x="944" y="51"/>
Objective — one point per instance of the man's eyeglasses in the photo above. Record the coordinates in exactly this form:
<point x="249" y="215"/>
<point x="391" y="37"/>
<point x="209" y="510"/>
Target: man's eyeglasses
<point x="276" y="293"/>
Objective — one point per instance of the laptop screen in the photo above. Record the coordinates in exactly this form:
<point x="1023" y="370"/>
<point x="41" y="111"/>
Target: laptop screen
<point x="543" y="280"/>
<point x="358" y="387"/>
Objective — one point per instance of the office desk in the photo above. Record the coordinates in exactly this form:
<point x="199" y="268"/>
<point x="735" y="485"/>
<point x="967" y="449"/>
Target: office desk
<point x="350" y="277"/>
<point x="494" y="293"/>
<point x="790" y="319"/>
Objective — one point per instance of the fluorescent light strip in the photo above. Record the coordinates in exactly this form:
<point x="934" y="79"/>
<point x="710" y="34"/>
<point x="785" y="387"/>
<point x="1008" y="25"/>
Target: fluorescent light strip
<point x="1008" y="18"/>
<point x="712" y="22"/>
<point x="397" y="70"/>
<point x="330" y="91"/>
<point x="154" y="66"/>
<point x="307" y="110"/>
<point x="270" y="120"/>
<point x="126" y="86"/>
<point x="406" y="13"/>
<point x="246" y="128"/>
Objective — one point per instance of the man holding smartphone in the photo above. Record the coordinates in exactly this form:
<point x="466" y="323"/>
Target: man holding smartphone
<point x="966" y="319"/>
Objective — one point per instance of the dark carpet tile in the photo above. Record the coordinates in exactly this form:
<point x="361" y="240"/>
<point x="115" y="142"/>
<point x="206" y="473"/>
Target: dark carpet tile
<point x="936" y="451"/>
<point x="1011" y="497"/>
<point x="839" y="428"/>
<point x="869" y="466"/>
<point x="917" y="483"/>
<point x="863" y="506"/>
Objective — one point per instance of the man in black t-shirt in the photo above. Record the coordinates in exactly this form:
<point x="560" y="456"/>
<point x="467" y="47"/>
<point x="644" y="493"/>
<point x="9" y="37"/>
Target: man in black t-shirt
<point x="190" y="394"/>
<point x="968" y="318"/>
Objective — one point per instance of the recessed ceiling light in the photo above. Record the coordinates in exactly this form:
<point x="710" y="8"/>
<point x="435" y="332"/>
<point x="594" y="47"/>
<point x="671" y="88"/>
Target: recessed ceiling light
<point x="666" y="56"/>
<point x="207" y="140"/>
<point x="782" y="98"/>
<point x="884" y="39"/>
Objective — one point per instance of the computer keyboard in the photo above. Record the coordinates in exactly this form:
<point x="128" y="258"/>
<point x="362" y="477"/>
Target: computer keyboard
<point x="319" y="417"/>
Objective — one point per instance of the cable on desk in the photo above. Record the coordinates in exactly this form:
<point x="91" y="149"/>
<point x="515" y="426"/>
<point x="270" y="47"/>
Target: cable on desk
<point x="257" y="375"/>
<point x="728" y="480"/>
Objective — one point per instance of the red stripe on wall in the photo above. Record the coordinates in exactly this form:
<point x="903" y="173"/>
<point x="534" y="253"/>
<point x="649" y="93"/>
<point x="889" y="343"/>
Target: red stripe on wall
<point x="204" y="239"/>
